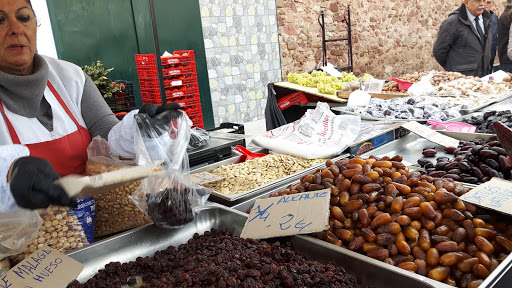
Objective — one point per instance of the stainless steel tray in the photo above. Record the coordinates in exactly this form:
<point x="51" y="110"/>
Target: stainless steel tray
<point x="345" y="110"/>
<point x="410" y="148"/>
<point x="146" y="240"/>
<point x="480" y="107"/>
<point x="228" y="199"/>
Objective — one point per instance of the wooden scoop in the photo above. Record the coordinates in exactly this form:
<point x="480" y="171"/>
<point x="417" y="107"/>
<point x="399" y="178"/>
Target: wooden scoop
<point x="77" y="186"/>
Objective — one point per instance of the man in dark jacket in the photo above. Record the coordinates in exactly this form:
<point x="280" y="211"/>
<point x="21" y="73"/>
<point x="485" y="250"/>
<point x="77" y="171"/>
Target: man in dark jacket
<point x="503" y="29"/>
<point x="464" y="40"/>
<point x="489" y="4"/>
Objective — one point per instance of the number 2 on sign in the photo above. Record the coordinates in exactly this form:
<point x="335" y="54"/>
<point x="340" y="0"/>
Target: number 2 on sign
<point x="299" y="225"/>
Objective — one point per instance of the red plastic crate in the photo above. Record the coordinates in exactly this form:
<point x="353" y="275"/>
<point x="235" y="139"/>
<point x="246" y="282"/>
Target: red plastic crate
<point x="183" y="91"/>
<point x="291" y="99"/>
<point x="197" y="120"/>
<point x="179" y="70"/>
<point x="186" y="101"/>
<point x="184" y="56"/>
<point x="149" y="95"/>
<point x="183" y="80"/>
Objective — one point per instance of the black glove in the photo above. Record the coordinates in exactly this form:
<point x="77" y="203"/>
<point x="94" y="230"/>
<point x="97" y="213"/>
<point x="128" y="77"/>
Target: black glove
<point x="160" y="117"/>
<point x="161" y="114"/>
<point x="32" y="184"/>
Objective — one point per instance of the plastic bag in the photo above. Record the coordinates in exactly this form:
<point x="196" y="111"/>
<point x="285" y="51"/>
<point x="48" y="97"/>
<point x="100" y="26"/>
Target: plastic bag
<point x="114" y="211"/>
<point x="169" y="198"/>
<point x="60" y="230"/>
<point x="318" y="134"/>
<point x="422" y="87"/>
<point x="198" y="138"/>
<point x="17" y="230"/>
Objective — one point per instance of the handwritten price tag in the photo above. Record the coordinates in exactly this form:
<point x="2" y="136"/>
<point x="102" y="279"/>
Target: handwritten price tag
<point x="44" y="268"/>
<point x="495" y="194"/>
<point x="301" y="213"/>
<point x="204" y="177"/>
<point x="430" y="134"/>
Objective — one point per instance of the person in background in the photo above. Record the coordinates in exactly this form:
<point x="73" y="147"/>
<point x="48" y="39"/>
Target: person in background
<point x="49" y="111"/>
<point x="503" y="38"/>
<point x="464" y="40"/>
<point x="489" y="4"/>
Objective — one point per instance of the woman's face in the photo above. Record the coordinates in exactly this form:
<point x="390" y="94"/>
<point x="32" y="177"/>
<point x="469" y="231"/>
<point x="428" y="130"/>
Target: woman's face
<point x="18" y="31"/>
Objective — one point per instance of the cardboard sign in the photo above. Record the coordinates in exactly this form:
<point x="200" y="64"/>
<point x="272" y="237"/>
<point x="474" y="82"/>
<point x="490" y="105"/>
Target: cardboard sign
<point x="44" y="268"/>
<point x="204" y="177"/>
<point x="495" y="194"/>
<point x="430" y="134"/>
<point x="300" y="213"/>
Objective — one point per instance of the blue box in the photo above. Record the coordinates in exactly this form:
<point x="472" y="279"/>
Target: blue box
<point x="378" y="140"/>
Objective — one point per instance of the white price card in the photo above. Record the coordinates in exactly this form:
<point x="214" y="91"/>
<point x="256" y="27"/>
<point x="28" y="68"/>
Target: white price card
<point x="495" y="194"/>
<point x="44" y="268"/>
<point x="430" y="134"/>
<point x="301" y="213"/>
<point x="203" y="178"/>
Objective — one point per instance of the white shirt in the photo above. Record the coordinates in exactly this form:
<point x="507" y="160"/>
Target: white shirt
<point x="472" y="17"/>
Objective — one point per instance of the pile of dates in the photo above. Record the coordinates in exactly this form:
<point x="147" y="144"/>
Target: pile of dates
<point x="218" y="259"/>
<point x="416" y="222"/>
<point x="484" y="124"/>
<point x="476" y="161"/>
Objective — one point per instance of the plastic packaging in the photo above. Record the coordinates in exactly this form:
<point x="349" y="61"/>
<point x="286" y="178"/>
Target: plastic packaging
<point x="85" y="212"/>
<point x="114" y="210"/>
<point x="17" y="230"/>
<point x="318" y="134"/>
<point x="198" y="138"/>
<point x="60" y="230"/>
<point x="169" y="198"/>
<point x="422" y="87"/>
<point x="358" y="98"/>
<point x="5" y="265"/>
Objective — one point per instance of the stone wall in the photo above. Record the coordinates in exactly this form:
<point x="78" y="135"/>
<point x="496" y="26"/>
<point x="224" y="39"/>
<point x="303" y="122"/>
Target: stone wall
<point x="242" y="54"/>
<point x="390" y="37"/>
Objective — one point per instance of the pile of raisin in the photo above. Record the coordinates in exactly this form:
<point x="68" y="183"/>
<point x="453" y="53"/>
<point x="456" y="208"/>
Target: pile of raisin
<point x="170" y="207"/>
<point x="218" y="259"/>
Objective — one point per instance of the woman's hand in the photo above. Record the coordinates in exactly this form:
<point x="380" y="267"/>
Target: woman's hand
<point x="32" y="182"/>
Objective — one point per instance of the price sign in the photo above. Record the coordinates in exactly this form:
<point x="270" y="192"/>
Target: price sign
<point x="300" y="213"/>
<point x="204" y="177"/>
<point x="495" y="194"/>
<point x="44" y="268"/>
<point x="430" y="134"/>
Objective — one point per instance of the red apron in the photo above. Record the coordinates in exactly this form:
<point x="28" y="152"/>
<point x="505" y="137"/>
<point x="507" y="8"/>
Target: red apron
<point x="67" y="154"/>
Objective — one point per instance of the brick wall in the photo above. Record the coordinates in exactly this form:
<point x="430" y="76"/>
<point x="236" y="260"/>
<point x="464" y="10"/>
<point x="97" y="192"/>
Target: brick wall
<point x="390" y="37"/>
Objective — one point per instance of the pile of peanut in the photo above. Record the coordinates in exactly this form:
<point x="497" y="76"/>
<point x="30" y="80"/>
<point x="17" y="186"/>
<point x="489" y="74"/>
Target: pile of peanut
<point x="115" y="211"/>
<point x="60" y="230"/>
<point x="243" y="177"/>
<point x="413" y="221"/>
<point x="439" y="78"/>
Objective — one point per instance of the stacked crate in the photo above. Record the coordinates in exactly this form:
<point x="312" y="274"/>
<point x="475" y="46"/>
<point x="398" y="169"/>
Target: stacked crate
<point x="180" y="81"/>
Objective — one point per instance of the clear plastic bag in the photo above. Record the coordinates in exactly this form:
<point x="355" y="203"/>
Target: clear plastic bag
<point x="17" y="230"/>
<point x="60" y="230"/>
<point x="198" y="138"/>
<point x="422" y="87"/>
<point x="169" y="198"/>
<point x="114" y="210"/>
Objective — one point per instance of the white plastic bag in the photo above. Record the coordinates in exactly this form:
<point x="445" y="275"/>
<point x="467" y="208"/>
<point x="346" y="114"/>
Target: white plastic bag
<point x="423" y="87"/>
<point x="318" y="134"/>
<point x="17" y="230"/>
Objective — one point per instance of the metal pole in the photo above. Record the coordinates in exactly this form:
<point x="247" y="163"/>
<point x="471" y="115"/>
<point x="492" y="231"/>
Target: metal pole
<point x="324" y="46"/>
<point x="157" y="52"/>
<point x="351" y="59"/>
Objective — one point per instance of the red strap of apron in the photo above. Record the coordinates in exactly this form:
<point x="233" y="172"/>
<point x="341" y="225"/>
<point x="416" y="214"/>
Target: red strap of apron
<point x="56" y="94"/>
<point x="14" y="136"/>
